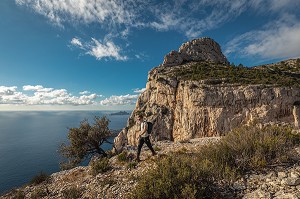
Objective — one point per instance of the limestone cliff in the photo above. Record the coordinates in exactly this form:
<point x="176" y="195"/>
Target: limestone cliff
<point x="195" y="93"/>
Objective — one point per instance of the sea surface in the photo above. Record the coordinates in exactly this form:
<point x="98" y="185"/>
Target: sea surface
<point x="29" y="141"/>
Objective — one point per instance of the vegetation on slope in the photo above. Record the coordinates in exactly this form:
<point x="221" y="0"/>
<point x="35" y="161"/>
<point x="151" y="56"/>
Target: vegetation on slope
<point x="282" y="73"/>
<point x="85" y="141"/>
<point x="208" y="171"/>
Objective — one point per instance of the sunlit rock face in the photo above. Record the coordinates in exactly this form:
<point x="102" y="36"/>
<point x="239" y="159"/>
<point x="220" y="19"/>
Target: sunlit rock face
<point x="202" y="49"/>
<point x="182" y="109"/>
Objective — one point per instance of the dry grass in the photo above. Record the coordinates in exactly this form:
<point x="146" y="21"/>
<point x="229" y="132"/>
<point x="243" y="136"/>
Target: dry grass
<point x="196" y="175"/>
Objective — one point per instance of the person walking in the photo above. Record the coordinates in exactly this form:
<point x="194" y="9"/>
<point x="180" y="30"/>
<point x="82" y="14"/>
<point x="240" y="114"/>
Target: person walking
<point x="143" y="137"/>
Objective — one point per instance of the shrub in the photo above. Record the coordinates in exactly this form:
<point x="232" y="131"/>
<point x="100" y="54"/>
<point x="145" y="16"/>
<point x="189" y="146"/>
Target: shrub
<point x="38" y="179"/>
<point x="72" y="193"/>
<point x="39" y="193"/>
<point x="131" y="165"/>
<point x="100" y="166"/>
<point x="176" y="176"/>
<point x="197" y="175"/>
<point x="123" y="157"/>
<point x="248" y="148"/>
<point x="156" y="148"/>
<point x="278" y="74"/>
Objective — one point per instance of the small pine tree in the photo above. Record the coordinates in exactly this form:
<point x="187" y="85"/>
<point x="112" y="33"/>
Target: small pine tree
<point x="85" y="141"/>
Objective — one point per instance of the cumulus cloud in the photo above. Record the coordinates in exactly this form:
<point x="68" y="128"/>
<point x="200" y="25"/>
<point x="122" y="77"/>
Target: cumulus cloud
<point x="120" y="100"/>
<point x="44" y="96"/>
<point x="4" y="90"/>
<point x="11" y="95"/>
<point x="84" y="92"/>
<point x="51" y="96"/>
<point x="39" y="88"/>
<point x="279" y="39"/>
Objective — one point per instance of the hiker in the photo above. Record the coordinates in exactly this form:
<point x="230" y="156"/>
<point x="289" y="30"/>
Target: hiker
<point x="143" y="137"/>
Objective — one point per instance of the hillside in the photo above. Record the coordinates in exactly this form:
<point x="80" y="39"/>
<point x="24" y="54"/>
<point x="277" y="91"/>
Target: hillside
<point x="284" y="73"/>
<point x="125" y="176"/>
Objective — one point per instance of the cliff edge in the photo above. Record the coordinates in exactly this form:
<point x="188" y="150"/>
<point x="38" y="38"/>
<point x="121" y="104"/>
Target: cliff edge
<point x="196" y="93"/>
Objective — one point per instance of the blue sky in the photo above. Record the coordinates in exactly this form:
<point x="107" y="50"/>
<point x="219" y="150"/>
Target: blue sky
<point x="95" y="54"/>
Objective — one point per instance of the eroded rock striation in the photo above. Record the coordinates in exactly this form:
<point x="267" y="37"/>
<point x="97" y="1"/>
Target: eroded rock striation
<point x="183" y="108"/>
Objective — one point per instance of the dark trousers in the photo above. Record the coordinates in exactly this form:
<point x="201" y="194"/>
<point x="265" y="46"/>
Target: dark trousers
<point x="143" y="140"/>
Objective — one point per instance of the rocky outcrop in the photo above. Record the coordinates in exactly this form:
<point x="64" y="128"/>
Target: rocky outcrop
<point x="182" y="109"/>
<point x="277" y="182"/>
<point x="116" y="183"/>
<point x="296" y="114"/>
<point x="202" y="49"/>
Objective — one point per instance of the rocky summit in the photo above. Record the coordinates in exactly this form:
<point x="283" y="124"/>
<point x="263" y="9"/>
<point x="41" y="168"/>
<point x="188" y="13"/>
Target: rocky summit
<point x="202" y="49"/>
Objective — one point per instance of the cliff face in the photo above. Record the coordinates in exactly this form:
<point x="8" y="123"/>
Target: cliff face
<point x="181" y="108"/>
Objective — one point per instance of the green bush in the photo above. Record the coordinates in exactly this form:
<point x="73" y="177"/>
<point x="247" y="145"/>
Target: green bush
<point x="131" y="165"/>
<point x="100" y="166"/>
<point x="278" y="74"/>
<point x="176" y="176"/>
<point x="156" y="148"/>
<point x="38" y="179"/>
<point x="39" y="193"/>
<point x="182" y="175"/>
<point x="123" y="157"/>
<point x="72" y="193"/>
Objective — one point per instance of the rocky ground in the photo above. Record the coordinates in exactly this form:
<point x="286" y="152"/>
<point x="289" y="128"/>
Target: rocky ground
<point x="278" y="181"/>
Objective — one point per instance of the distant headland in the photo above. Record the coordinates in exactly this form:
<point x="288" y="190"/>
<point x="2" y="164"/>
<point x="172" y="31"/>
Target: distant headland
<point x="120" y="113"/>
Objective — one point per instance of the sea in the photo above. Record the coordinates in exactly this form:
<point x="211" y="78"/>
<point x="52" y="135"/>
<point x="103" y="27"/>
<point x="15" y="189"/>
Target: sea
<point x="29" y="141"/>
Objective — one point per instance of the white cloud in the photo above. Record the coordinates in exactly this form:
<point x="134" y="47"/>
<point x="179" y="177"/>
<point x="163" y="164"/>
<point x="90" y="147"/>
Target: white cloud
<point x="83" y="11"/>
<point x="76" y="42"/>
<point x="119" y="100"/>
<point x="117" y="18"/>
<point x="137" y="90"/>
<point x="100" y="50"/>
<point x="39" y="88"/>
<point x="44" y="96"/>
<point x="192" y="17"/>
<point x="103" y="50"/>
<point x="4" y="90"/>
<point x="279" y="39"/>
<point x="278" y="6"/>
<point x="84" y="92"/>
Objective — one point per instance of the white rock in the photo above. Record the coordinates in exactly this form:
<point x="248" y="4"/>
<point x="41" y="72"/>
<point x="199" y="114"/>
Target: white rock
<point x="294" y="174"/>
<point x="281" y="175"/>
